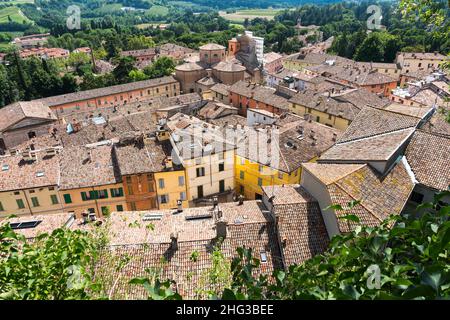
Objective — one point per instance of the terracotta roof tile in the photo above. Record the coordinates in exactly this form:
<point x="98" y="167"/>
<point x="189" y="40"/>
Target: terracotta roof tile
<point x="13" y="113"/>
<point x="429" y="158"/>
<point x="372" y="121"/>
<point x="16" y="173"/>
<point x="376" y="148"/>
<point x="87" y="167"/>
<point x="96" y="93"/>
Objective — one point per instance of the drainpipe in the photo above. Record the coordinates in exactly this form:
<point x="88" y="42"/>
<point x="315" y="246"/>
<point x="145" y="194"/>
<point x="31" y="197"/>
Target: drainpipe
<point x="28" y="202"/>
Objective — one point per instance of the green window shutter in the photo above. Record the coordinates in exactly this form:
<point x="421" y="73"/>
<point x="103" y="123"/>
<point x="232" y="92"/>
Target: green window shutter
<point x="93" y="194"/>
<point x="106" y="193"/>
<point x="83" y="196"/>
<point x="119" y="208"/>
<point x="54" y="199"/>
<point x="120" y="192"/>
<point x="20" y="204"/>
<point x="35" y="201"/>
<point x="68" y="198"/>
<point x="1" y="207"/>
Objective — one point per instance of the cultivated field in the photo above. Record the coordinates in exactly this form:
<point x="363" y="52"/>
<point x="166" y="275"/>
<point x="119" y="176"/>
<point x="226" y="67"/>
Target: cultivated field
<point x="240" y="15"/>
<point x="14" y="13"/>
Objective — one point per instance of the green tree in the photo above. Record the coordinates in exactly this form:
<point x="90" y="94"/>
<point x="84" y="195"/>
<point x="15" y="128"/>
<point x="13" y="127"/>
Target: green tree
<point x="163" y="66"/>
<point x="140" y="42"/>
<point x="378" y="47"/>
<point x="122" y="71"/>
<point x="55" y="266"/>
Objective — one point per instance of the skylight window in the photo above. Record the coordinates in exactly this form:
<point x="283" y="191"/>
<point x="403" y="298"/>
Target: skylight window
<point x="40" y="174"/>
<point x="263" y="257"/>
<point x="5" y="167"/>
<point x="198" y="216"/>
<point x="25" y="224"/>
<point x="152" y="217"/>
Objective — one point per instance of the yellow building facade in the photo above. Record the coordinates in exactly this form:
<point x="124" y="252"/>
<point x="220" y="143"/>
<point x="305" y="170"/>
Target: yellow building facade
<point x="251" y="176"/>
<point x="94" y="199"/>
<point x="321" y="117"/>
<point x="43" y="200"/>
<point x="171" y="187"/>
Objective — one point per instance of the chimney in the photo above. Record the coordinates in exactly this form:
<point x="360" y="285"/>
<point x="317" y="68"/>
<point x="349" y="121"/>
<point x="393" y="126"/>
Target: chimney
<point x="168" y="163"/>
<point x="174" y="241"/>
<point x="240" y="200"/>
<point x="334" y="137"/>
<point x="215" y="202"/>
<point x="221" y="229"/>
<point x="179" y="206"/>
<point x="85" y="215"/>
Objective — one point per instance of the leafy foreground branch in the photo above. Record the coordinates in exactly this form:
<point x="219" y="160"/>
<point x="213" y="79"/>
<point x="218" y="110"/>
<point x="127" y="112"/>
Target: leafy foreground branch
<point x="53" y="266"/>
<point x="409" y="260"/>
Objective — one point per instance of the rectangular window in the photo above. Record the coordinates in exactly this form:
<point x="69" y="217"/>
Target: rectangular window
<point x="35" y="201"/>
<point x="222" y="186"/>
<point x="54" y="199"/>
<point x="20" y="204"/>
<point x="161" y="183"/>
<point x="133" y="206"/>
<point x="221" y="156"/>
<point x="181" y="181"/>
<point x="183" y="196"/>
<point x="86" y="196"/>
<point x="260" y="168"/>
<point x="200" y="192"/>
<point x="116" y="193"/>
<point x="119" y="208"/>
<point x="164" y="198"/>
<point x="242" y="175"/>
<point x="1" y="207"/>
<point x="130" y="190"/>
<point x="102" y="194"/>
<point x="242" y="189"/>
<point x="128" y="180"/>
<point x="93" y="194"/>
<point x="242" y="161"/>
<point x="221" y="167"/>
<point x="150" y="186"/>
<point x="260" y="182"/>
<point x="67" y="198"/>
<point x="200" y="172"/>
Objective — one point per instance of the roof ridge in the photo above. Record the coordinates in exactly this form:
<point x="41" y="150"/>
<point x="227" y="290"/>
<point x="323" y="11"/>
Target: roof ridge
<point x="375" y="135"/>
<point x="360" y="201"/>
<point x="391" y="111"/>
